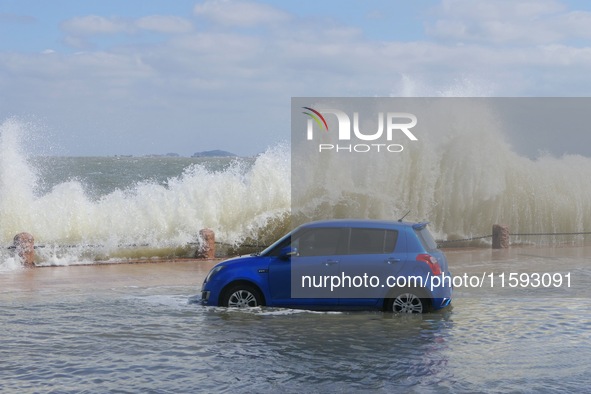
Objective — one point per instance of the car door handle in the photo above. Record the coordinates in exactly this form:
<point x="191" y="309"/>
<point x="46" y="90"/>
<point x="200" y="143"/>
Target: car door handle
<point x="390" y="261"/>
<point x="331" y="262"/>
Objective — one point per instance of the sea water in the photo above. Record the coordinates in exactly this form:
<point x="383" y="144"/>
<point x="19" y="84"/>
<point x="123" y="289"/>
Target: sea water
<point x="134" y="328"/>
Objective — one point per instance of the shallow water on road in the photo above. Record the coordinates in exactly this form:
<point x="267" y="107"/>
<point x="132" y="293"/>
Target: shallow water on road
<point x="132" y="328"/>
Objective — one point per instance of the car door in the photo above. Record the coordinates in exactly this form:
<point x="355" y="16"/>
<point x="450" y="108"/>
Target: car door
<point x="304" y="278"/>
<point x="374" y="255"/>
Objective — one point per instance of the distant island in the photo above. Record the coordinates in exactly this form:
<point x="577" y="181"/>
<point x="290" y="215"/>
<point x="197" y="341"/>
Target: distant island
<point x="214" y="153"/>
<point x="207" y="153"/>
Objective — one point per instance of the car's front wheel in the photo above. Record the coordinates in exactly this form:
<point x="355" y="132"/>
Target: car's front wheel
<point x="242" y="296"/>
<point x="407" y="301"/>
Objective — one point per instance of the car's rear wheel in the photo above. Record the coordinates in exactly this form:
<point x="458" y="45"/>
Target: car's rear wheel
<point x="242" y="296"/>
<point x="407" y="301"/>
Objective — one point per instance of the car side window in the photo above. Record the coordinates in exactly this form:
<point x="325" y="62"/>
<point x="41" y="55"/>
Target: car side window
<point x="372" y="241"/>
<point x="321" y="242"/>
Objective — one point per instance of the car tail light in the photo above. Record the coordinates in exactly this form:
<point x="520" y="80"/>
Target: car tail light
<point x="431" y="262"/>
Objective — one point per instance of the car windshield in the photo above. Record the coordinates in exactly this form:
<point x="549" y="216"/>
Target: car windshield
<point x="275" y="248"/>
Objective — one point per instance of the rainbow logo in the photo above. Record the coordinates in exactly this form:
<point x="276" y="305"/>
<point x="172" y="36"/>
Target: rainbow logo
<point x="317" y="116"/>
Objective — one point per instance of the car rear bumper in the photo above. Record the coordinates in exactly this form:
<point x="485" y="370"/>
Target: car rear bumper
<point x="440" y="303"/>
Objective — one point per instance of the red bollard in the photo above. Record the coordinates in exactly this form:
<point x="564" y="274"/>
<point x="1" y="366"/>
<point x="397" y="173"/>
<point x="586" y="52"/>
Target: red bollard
<point x="501" y="237"/>
<point x="206" y="249"/>
<point x="24" y="245"/>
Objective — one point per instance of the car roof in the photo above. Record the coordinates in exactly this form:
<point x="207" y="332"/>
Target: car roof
<point x="362" y="223"/>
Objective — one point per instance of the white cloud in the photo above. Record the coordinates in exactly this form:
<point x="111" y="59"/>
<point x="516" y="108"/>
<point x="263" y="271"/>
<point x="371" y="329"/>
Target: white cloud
<point x="164" y="24"/>
<point x="337" y="59"/>
<point x="575" y="24"/>
<point x="17" y="19"/>
<point x="240" y="13"/>
<point x="81" y="30"/>
<point x="94" y="24"/>
<point x="77" y="42"/>
<point x="508" y="22"/>
<point x="196" y="71"/>
<point x="499" y="9"/>
<point x="227" y="45"/>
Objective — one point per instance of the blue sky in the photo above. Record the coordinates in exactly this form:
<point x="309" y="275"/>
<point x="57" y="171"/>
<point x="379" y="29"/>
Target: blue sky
<point x="153" y="76"/>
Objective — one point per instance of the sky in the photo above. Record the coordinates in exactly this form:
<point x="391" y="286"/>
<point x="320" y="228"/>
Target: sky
<point x="111" y="77"/>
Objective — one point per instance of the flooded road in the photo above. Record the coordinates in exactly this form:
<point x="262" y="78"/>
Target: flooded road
<point x="132" y="328"/>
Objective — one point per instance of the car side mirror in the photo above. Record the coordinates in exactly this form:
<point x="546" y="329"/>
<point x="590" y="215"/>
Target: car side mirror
<point x="287" y="252"/>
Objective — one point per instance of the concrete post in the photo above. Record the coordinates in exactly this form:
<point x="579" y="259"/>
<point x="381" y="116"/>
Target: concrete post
<point x="501" y="238"/>
<point x="24" y="245"/>
<point x="206" y="249"/>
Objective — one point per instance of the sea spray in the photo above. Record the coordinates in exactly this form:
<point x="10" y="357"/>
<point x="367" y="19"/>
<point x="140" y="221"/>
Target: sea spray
<point x="17" y="180"/>
<point x="463" y="178"/>
<point x="237" y="202"/>
<point x="233" y="202"/>
<point x="461" y="175"/>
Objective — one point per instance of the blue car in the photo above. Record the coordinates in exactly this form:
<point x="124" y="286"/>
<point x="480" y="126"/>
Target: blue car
<point x="338" y="265"/>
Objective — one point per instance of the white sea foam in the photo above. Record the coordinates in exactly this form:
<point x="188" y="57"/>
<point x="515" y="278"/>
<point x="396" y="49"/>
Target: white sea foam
<point x="236" y="203"/>
<point x="271" y="311"/>
<point x="462" y="176"/>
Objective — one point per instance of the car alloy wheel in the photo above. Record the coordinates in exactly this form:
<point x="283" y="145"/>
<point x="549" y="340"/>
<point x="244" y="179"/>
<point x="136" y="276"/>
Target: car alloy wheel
<point x="407" y="303"/>
<point x="242" y="296"/>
